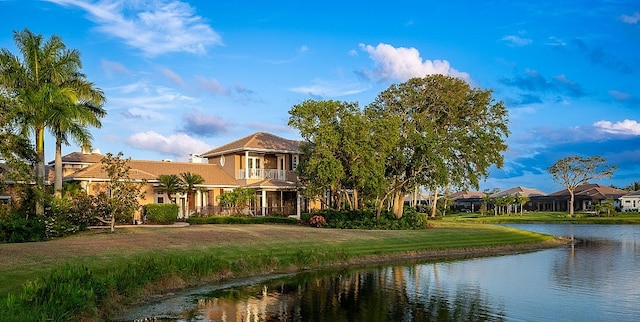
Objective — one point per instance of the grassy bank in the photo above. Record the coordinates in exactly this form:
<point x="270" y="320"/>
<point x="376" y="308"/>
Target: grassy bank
<point x="94" y="273"/>
<point x="625" y="218"/>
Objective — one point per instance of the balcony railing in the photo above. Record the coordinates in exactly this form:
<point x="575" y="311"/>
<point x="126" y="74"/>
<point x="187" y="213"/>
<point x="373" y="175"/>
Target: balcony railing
<point x="274" y="174"/>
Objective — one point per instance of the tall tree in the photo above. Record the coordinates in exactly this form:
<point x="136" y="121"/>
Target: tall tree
<point x="71" y="120"/>
<point x="344" y="151"/>
<point x="449" y="134"/>
<point x="190" y="180"/>
<point x="574" y="171"/>
<point x="45" y="77"/>
<point x="16" y="152"/>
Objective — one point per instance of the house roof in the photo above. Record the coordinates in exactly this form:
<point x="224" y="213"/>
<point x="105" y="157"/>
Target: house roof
<point x="523" y="191"/>
<point x="79" y="157"/>
<point x="593" y="191"/>
<point x="150" y="170"/>
<point x="259" y="142"/>
<point x="467" y="194"/>
<point x="632" y="194"/>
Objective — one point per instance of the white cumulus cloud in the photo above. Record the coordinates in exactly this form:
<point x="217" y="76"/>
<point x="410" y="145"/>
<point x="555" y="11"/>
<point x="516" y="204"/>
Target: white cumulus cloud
<point x="155" y="26"/>
<point x="403" y="63"/>
<point x="179" y="145"/>
<point x="626" y="127"/>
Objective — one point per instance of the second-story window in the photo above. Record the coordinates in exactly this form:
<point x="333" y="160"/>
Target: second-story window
<point x="294" y="162"/>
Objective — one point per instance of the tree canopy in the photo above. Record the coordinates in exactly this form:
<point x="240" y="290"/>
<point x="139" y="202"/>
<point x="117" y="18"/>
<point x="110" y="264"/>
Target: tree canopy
<point x="575" y="170"/>
<point x="434" y="131"/>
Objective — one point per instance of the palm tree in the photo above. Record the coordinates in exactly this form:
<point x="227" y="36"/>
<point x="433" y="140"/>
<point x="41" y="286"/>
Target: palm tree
<point x="190" y="180"/>
<point x="39" y="81"/>
<point x="171" y="183"/>
<point x="72" y="119"/>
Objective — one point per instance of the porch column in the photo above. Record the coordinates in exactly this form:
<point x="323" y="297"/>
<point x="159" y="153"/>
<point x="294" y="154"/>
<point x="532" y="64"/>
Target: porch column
<point x="246" y="165"/>
<point x="298" y="204"/>
<point x="263" y="202"/>
<point x="281" y="201"/>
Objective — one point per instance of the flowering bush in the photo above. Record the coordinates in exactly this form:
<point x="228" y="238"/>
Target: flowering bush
<point x="317" y="221"/>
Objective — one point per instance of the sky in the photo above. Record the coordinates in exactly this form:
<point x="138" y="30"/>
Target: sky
<point x="183" y="77"/>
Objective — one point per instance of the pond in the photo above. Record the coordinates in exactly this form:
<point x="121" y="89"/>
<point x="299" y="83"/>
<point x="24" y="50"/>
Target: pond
<point x="596" y="279"/>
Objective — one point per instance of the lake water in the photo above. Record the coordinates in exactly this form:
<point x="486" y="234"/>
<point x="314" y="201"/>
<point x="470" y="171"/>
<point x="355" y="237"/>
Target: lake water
<point x="597" y="279"/>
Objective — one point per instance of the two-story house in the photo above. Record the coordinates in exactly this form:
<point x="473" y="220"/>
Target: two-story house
<point x="267" y="164"/>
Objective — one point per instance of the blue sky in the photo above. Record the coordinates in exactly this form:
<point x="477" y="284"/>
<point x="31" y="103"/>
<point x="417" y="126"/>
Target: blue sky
<point x="184" y="77"/>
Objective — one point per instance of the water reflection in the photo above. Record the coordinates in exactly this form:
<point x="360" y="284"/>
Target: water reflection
<point x="598" y="279"/>
<point x="395" y="293"/>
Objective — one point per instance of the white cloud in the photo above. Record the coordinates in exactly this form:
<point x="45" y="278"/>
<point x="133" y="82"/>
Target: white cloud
<point x="626" y="127"/>
<point x="326" y="89"/>
<point x="403" y="63"/>
<point x="155" y="27"/>
<point x="633" y="19"/>
<point x="144" y="96"/>
<point x="178" y="145"/>
<point x="517" y="41"/>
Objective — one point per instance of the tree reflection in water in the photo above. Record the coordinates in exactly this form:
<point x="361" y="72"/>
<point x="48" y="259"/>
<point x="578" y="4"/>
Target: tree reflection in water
<point x="399" y="293"/>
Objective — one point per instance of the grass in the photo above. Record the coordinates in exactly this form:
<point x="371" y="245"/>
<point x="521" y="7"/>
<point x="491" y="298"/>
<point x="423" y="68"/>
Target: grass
<point x="547" y="218"/>
<point x="90" y="275"/>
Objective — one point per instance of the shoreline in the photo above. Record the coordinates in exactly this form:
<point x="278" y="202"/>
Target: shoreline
<point x="174" y="299"/>
<point x="134" y="265"/>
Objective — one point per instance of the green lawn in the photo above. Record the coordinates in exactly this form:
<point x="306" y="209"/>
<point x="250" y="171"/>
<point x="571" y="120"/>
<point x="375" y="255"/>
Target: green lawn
<point x="138" y="262"/>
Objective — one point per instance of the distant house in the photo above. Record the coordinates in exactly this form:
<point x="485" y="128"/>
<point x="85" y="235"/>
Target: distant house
<point x="532" y="194"/>
<point x="586" y="196"/>
<point x="630" y="201"/>
<point x="467" y="200"/>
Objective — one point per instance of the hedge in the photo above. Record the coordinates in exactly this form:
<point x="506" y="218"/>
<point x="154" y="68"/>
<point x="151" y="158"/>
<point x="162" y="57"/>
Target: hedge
<point x="161" y="214"/>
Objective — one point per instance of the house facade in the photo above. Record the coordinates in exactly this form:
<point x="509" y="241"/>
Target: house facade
<point x="630" y="202"/>
<point x="586" y="196"/>
<point x="263" y="162"/>
<point x="267" y="164"/>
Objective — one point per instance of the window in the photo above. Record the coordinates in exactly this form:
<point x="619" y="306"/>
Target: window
<point x="294" y="162"/>
<point x="222" y="160"/>
<point x="160" y="200"/>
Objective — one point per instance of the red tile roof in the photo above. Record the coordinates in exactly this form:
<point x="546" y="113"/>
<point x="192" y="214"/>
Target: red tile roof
<point x="79" y="157"/>
<point x="594" y="191"/>
<point x="260" y="142"/>
<point x="150" y="170"/>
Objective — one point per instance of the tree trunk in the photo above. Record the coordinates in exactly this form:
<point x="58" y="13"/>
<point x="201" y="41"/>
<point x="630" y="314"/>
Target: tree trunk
<point x="356" y="205"/>
<point x="434" y="204"/>
<point x="398" y="204"/>
<point x="57" y="183"/>
<point x="40" y="170"/>
<point x="571" y="200"/>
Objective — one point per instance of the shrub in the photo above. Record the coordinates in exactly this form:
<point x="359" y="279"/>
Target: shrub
<point x="162" y="214"/>
<point x="366" y="219"/>
<point x="317" y="221"/>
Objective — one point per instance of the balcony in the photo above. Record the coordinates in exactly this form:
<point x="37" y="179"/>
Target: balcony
<point x="273" y="174"/>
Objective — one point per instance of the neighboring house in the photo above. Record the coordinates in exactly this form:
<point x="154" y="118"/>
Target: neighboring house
<point x="266" y="163"/>
<point x="630" y="202"/>
<point x="585" y="197"/>
<point x="467" y="200"/>
<point x="204" y="200"/>
<point x="532" y="194"/>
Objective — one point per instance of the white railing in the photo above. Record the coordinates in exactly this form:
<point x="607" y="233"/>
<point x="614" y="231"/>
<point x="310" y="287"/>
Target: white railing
<point x="274" y="174"/>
